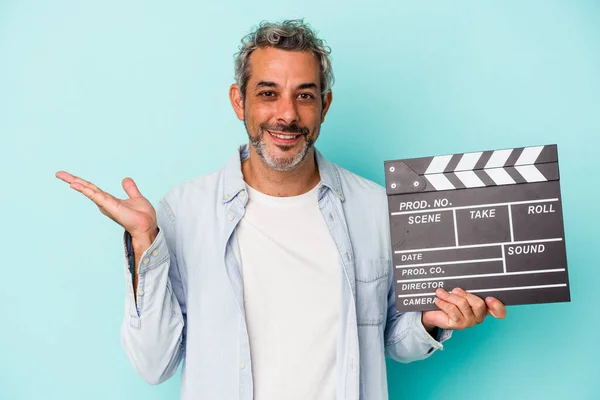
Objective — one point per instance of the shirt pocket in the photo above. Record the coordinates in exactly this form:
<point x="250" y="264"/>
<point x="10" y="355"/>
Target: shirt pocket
<point x="371" y="290"/>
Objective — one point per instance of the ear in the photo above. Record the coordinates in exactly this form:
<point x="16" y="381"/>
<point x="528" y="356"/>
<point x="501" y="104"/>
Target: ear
<point x="326" y="105"/>
<point x="237" y="102"/>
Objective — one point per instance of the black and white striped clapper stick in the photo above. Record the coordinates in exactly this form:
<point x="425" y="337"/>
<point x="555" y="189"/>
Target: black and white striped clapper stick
<point x="488" y="222"/>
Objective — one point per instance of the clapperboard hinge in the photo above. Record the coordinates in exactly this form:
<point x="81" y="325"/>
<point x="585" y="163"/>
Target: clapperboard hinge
<point x="472" y="170"/>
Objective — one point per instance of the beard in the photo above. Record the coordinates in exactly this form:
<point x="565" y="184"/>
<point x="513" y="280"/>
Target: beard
<point x="280" y="163"/>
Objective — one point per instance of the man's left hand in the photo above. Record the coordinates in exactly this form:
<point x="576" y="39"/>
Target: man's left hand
<point x="460" y="310"/>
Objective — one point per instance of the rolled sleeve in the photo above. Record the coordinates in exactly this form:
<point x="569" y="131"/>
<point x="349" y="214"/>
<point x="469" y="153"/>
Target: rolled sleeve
<point x="406" y="339"/>
<point x="155" y="256"/>
<point x="153" y="331"/>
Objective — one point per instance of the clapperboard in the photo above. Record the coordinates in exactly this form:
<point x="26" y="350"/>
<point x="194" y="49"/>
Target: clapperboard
<point x="488" y="222"/>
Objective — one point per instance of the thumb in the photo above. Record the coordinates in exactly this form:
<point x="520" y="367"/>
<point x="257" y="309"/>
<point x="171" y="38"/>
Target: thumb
<point x="435" y="318"/>
<point x="131" y="188"/>
<point x="495" y="308"/>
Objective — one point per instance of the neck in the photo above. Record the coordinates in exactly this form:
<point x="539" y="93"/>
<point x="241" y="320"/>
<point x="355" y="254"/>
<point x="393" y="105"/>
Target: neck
<point x="271" y="182"/>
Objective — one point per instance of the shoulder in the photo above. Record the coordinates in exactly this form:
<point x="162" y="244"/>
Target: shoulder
<point x="206" y="190"/>
<point x="356" y="187"/>
<point x="365" y="208"/>
<point x="365" y="201"/>
<point x="199" y="191"/>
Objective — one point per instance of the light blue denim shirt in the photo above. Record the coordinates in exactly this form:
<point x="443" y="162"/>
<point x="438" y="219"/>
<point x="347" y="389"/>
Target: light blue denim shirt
<point x="190" y="291"/>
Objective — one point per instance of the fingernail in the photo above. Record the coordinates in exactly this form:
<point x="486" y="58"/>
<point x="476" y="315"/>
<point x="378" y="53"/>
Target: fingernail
<point x="456" y="291"/>
<point x="439" y="292"/>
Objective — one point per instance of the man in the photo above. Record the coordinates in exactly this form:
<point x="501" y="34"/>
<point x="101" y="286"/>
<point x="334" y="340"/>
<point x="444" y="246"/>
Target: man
<point x="272" y="278"/>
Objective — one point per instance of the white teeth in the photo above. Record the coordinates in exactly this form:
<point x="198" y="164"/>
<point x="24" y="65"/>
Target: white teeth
<point x="283" y="136"/>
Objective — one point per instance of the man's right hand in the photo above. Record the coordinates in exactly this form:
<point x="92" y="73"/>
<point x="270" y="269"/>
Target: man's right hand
<point x="136" y="215"/>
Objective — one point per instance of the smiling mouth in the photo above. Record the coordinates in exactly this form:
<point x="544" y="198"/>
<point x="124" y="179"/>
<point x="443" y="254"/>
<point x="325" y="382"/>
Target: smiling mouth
<point x="285" y="139"/>
<point x="284" y="136"/>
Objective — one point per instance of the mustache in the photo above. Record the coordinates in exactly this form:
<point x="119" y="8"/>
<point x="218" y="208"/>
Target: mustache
<point x="291" y="128"/>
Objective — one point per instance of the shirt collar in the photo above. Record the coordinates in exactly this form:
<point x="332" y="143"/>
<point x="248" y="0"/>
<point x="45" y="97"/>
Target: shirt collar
<point x="233" y="180"/>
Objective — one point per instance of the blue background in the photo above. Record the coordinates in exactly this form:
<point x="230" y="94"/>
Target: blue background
<point x="108" y="89"/>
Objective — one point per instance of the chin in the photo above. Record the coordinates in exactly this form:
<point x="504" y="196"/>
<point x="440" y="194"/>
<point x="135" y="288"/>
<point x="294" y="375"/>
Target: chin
<point x="278" y="156"/>
<point x="285" y="162"/>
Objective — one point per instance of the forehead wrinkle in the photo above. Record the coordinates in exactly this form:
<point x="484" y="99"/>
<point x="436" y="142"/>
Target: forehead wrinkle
<point x="275" y="66"/>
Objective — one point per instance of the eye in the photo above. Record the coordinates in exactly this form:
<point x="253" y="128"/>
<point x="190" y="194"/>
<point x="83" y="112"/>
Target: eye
<point x="306" y="96"/>
<point x="267" y="93"/>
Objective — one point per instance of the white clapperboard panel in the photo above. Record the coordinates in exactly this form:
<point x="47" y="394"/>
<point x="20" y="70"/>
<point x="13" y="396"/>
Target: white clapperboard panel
<point x="489" y="222"/>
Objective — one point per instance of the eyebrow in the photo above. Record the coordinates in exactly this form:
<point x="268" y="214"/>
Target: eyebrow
<point x="308" y="86"/>
<point x="273" y="84"/>
<point x="266" y="84"/>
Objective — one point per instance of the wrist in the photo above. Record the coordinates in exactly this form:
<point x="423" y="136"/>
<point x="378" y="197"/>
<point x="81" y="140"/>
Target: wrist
<point x="141" y="242"/>
<point x="428" y="327"/>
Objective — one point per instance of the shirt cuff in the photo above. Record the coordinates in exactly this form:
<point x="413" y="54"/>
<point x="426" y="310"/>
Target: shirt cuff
<point x="441" y="335"/>
<point x="156" y="248"/>
<point x="153" y="257"/>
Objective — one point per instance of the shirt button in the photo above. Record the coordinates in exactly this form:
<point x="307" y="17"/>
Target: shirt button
<point x="146" y="260"/>
<point x="352" y="363"/>
<point x="230" y="217"/>
<point x="141" y="292"/>
<point x="155" y="253"/>
<point x="242" y="365"/>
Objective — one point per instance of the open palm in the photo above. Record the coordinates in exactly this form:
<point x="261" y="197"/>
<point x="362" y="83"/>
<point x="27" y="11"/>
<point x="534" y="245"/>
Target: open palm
<point x="135" y="214"/>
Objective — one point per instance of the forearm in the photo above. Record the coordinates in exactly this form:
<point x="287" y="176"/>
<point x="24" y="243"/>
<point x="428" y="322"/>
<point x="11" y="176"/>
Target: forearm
<point x="152" y="332"/>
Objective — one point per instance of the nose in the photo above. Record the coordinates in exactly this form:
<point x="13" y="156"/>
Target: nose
<point x="287" y="112"/>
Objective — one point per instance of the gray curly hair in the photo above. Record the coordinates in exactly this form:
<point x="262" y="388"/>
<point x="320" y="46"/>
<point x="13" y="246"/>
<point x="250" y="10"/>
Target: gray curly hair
<point x="294" y="35"/>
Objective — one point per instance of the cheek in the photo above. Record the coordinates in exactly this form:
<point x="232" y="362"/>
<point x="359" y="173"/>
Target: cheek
<point x="311" y="119"/>
<point x="258" y="114"/>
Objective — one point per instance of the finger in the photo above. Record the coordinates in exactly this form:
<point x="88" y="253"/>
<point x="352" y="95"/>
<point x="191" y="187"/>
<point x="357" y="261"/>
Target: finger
<point x="65" y="176"/>
<point x="85" y="190"/>
<point x="495" y="308"/>
<point x="131" y="188"/>
<point x="85" y="183"/>
<point x="88" y="189"/>
<point x="455" y="317"/>
<point x="81" y="185"/>
<point x="460" y="302"/>
<point x="477" y="304"/>
<point x="103" y="200"/>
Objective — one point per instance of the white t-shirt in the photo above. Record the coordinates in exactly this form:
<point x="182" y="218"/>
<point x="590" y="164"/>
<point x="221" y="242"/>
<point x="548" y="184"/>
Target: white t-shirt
<point x="291" y="274"/>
